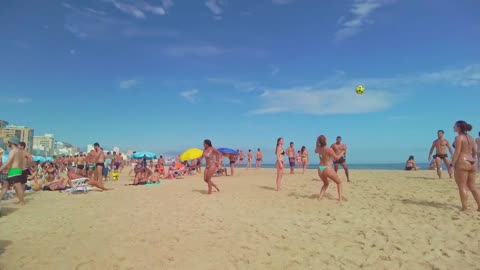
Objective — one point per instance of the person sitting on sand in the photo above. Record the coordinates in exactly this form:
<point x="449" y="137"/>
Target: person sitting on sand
<point x="411" y="165"/>
<point x="72" y="176"/>
<point x="463" y="162"/>
<point x="143" y="177"/>
<point x="325" y="170"/>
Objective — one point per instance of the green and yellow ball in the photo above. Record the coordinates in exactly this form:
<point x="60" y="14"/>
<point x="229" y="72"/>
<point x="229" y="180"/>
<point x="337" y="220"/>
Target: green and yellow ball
<point x="360" y="89"/>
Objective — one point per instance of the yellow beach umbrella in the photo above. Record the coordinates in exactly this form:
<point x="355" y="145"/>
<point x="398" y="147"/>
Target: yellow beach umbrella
<point x="192" y="153"/>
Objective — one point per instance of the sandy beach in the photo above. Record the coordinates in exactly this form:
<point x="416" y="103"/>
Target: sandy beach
<point x="390" y="220"/>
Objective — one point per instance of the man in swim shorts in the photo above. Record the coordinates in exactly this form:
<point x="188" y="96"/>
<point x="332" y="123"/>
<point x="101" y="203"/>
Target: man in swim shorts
<point x="338" y="147"/>
<point x="15" y="164"/>
<point x="259" y="155"/>
<point x="28" y="163"/>
<point x="440" y="145"/>
<point x="81" y="161"/>
<point x="249" y="158"/>
<point x="241" y="157"/>
<point x="291" y="157"/>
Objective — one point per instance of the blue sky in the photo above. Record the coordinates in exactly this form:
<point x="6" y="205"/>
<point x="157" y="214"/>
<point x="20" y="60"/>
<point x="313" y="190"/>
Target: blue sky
<point x="164" y="75"/>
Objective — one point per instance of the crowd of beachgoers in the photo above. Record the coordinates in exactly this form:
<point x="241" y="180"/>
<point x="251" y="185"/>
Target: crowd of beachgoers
<point x="22" y="173"/>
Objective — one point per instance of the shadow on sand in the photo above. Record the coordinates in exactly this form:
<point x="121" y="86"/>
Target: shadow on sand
<point x="303" y="196"/>
<point x="5" y="211"/>
<point x="429" y="204"/>
<point x="421" y="177"/>
<point x="204" y="192"/>
<point x="3" y="245"/>
<point x="267" y="188"/>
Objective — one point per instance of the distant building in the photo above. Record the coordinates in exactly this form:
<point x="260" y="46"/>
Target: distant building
<point x="25" y="134"/>
<point x="3" y="124"/>
<point x="44" y="145"/>
<point x="65" y="149"/>
<point x="89" y="148"/>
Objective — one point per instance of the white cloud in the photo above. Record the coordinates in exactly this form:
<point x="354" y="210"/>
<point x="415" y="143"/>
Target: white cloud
<point x="167" y="4"/>
<point x="129" y="9"/>
<point x="19" y="100"/>
<point x="244" y="86"/>
<point x="127" y="84"/>
<point x="190" y="95"/>
<point x="138" y="9"/>
<point x="359" y="17"/>
<point x="215" y="6"/>
<point x="89" y="23"/>
<point x="323" y="101"/>
<point x="466" y="77"/>
<point x="66" y="5"/>
<point x="94" y="11"/>
<point x="282" y="2"/>
<point x="190" y="50"/>
<point x="275" y="70"/>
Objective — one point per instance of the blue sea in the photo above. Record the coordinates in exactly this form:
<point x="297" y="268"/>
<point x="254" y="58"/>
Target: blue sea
<point x="397" y="166"/>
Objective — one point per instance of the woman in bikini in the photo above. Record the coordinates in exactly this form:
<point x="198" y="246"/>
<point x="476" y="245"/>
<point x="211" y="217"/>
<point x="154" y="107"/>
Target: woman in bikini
<point x="411" y="165"/>
<point x="325" y="170"/>
<point x="464" y="163"/>
<point x="212" y="159"/>
<point x="280" y="164"/>
<point x="304" y="158"/>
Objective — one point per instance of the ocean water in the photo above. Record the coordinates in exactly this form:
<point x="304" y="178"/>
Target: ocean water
<point x="397" y="166"/>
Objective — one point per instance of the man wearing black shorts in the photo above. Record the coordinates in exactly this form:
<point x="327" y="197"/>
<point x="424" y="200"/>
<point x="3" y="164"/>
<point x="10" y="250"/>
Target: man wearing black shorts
<point x="338" y="147"/>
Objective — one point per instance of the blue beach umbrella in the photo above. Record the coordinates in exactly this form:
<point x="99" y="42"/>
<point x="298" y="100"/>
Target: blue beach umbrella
<point x="39" y="159"/>
<point x="227" y="151"/>
<point x="5" y="157"/>
<point x="49" y="159"/>
<point x="140" y="155"/>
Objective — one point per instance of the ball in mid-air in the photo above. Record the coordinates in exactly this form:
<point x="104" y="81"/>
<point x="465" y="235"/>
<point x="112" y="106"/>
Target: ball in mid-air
<point x="360" y="89"/>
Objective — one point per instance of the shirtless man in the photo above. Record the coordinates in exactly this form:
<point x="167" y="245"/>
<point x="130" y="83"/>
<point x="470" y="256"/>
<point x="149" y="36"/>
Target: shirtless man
<point x="81" y="161"/>
<point x="440" y="145"/>
<point x="259" y="155"/>
<point x="15" y="164"/>
<point x="99" y="160"/>
<point x="340" y="148"/>
<point x="249" y="158"/>
<point x="28" y="163"/>
<point x="477" y="141"/>
<point x="241" y="157"/>
<point x="291" y="157"/>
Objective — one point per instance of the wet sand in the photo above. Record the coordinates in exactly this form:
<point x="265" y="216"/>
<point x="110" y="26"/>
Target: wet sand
<point x="390" y="220"/>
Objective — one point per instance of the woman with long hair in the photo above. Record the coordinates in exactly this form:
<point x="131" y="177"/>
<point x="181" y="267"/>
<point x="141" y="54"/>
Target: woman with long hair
<point x="325" y="170"/>
<point x="212" y="159"/>
<point x="280" y="164"/>
<point x="304" y="157"/>
<point x="464" y="163"/>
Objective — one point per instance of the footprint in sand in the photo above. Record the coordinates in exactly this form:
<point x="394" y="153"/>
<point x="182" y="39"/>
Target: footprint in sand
<point x="85" y="265"/>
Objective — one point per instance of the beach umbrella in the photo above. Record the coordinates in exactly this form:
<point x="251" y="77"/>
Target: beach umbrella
<point x="227" y="151"/>
<point x="190" y="154"/>
<point x="49" y="159"/>
<point x="39" y="159"/>
<point x="5" y="157"/>
<point x="147" y="155"/>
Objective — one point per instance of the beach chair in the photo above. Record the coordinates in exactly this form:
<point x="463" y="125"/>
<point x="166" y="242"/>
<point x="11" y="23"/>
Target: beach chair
<point x="79" y="185"/>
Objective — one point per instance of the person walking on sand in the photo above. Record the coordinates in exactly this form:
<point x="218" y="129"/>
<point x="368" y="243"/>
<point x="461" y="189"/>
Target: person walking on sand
<point x="212" y="160"/>
<point x="232" y="158"/>
<point x="477" y="141"/>
<point x="325" y="171"/>
<point x="338" y="147"/>
<point x="15" y="163"/>
<point x="463" y="162"/>
<point x="249" y="159"/>
<point x="304" y="157"/>
<point x="280" y="163"/>
<point x="259" y="155"/>
<point x="440" y="145"/>
<point x="291" y="157"/>
<point x="28" y="163"/>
